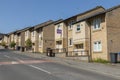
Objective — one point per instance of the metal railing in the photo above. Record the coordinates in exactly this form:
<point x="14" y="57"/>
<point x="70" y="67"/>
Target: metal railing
<point x="57" y="51"/>
<point x="78" y="53"/>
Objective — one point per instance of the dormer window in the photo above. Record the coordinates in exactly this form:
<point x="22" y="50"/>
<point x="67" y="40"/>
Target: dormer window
<point x="96" y="23"/>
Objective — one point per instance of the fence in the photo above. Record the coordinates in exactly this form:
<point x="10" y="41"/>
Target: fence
<point x="77" y="53"/>
<point x="57" y="51"/>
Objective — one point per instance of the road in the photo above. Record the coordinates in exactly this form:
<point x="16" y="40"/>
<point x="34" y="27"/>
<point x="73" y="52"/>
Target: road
<point x="20" y="67"/>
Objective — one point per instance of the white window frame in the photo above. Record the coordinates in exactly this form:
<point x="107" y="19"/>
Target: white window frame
<point x="33" y="33"/>
<point x="40" y="43"/>
<point x="97" y="46"/>
<point x="79" y="46"/>
<point x="96" y="23"/>
<point x="77" y="28"/>
<point x="58" y="26"/>
<point x="70" y="24"/>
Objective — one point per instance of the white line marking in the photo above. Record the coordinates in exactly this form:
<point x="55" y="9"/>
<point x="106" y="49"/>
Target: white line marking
<point x="19" y="60"/>
<point x="7" y="56"/>
<point x="14" y="62"/>
<point x="40" y="69"/>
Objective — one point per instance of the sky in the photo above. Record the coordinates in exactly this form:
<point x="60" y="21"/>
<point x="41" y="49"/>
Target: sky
<point x="18" y="14"/>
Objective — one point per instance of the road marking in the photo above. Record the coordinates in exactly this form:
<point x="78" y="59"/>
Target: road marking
<point x="40" y="69"/>
<point x="19" y="60"/>
<point x="14" y="62"/>
<point x="7" y="56"/>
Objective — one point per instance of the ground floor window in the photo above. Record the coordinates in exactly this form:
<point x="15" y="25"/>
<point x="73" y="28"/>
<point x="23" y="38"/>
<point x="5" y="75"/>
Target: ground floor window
<point x="79" y="46"/>
<point x="40" y="43"/>
<point x="97" y="46"/>
<point x="58" y="42"/>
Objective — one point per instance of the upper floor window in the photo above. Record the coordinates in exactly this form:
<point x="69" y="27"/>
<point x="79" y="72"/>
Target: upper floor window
<point x="96" y="23"/>
<point x="26" y="33"/>
<point x="33" y="33"/>
<point x="97" y="46"/>
<point x="58" y="27"/>
<point x="40" y="36"/>
<point x="71" y="24"/>
<point x="78" y="28"/>
<point x="70" y="42"/>
<point x="40" y="43"/>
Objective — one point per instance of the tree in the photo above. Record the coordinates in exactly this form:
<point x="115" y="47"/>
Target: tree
<point x="28" y="43"/>
<point x="12" y="44"/>
<point x="3" y="43"/>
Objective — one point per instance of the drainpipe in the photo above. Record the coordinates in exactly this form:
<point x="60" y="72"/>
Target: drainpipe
<point x="90" y="55"/>
<point x="67" y="40"/>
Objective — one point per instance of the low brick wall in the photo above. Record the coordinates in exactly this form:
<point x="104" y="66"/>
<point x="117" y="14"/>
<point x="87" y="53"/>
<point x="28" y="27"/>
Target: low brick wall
<point x="81" y="58"/>
<point x="61" y="55"/>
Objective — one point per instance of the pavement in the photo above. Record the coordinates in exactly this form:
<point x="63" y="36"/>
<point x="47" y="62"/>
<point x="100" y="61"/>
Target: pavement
<point x="15" y="65"/>
<point x="107" y="69"/>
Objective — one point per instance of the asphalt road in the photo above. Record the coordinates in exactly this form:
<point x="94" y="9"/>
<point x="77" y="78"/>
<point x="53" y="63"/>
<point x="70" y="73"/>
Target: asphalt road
<point x="20" y="67"/>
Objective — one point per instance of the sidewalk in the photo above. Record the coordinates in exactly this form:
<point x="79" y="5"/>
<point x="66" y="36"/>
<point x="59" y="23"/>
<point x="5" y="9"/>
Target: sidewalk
<point x="106" y="69"/>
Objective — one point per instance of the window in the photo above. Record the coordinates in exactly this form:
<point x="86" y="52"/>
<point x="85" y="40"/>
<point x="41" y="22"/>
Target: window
<point x="58" y="27"/>
<point x="40" y="36"/>
<point x="33" y="33"/>
<point x="78" y="28"/>
<point x="96" y="23"/>
<point x="79" y="46"/>
<point x="97" y="46"/>
<point x="70" y="24"/>
<point x="26" y="33"/>
<point x="40" y="43"/>
<point x="59" y="42"/>
<point x="70" y="41"/>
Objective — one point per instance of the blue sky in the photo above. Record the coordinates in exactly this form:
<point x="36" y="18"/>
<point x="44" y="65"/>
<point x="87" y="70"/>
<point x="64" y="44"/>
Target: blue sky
<point x="18" y="14"/>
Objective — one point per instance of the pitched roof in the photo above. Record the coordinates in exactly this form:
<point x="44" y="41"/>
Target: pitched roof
<point x="99" y="13"/>
<point x="87" y="17"/>
<point x="43" y="24"/>
<point x="27" y="28"/>
<point x="12" y="32"/>
<point x="115" y="7"/>
<point x="58" y="21"/>
<point x="97" y="7"/>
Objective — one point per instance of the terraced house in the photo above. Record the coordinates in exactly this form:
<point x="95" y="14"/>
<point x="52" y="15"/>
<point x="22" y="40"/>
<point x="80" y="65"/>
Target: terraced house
<point x="44" y="36"/>
<point x="1" y="37"/>
<point x="102" y="33"/>
<point x="60" y="36"/>
<point x="5" y="39"/>
<point x="74" y="37"/>
<point x="94" y="33"/>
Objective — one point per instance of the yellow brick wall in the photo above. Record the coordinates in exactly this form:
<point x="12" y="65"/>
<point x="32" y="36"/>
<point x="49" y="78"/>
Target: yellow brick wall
<point x="113" y="30"/>
<point x="99" y="35"/>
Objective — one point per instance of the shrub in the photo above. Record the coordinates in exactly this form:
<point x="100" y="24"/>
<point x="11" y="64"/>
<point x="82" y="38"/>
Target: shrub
<point x="28" y="43"/>
<point x="3" y="43"/>
<point x="99" y="60"/>
<point x="12" y="44"/>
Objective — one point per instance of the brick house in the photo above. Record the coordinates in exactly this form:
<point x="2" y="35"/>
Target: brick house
<point x="72" y="35"/>
<point x="60" y="36"/>
<point x="103" y="33"/>
<point x="94" y="32"/>
<point x="44" y="36"/>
